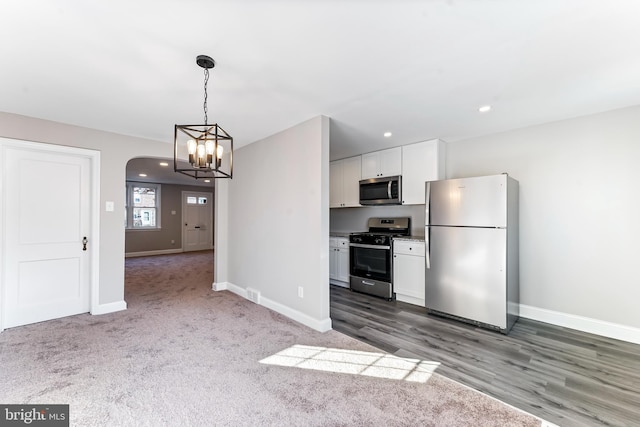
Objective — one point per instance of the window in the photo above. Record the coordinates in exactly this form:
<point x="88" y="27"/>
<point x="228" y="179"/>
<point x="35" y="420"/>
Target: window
<point x="142" y="206"/>
<point x="192" y="200"/>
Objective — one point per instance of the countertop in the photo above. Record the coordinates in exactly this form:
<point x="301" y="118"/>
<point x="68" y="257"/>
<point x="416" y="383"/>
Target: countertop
<point x="338" y="234"/>
<point x="410" y="238"/>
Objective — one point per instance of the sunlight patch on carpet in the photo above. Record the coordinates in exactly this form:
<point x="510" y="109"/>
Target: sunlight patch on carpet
<point x="379" y="365"/>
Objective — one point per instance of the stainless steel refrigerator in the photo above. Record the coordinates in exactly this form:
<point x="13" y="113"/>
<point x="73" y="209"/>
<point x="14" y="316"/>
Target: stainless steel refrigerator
<point x="471" y="237"/>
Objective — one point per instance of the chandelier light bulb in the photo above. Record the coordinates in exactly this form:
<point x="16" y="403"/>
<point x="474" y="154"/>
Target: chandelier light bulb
<point x="209" y="144"/>
<point x="191" y="146"/>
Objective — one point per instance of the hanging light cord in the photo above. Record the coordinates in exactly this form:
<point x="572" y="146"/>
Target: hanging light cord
<point x="206" y="80"/>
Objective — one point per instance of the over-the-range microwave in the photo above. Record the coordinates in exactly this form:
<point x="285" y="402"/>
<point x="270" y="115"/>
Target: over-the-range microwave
<point x="386" y="190"/>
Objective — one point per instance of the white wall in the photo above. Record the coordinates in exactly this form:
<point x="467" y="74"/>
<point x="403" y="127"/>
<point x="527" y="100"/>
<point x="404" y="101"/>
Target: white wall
<point x="277" y="222"/>
<point x="115" y="151"/>
<point x="579" y="205"/>
<point x="355" y="219"/>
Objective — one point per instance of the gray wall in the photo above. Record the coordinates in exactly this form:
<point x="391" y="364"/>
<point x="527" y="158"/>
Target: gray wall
<point x="579" y="204"/>
<point x="115" y="151"/>
<point x="276" y="214"/>
<point x="171" y="225"/>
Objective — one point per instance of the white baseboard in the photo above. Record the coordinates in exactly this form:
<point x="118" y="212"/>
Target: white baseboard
<point x="220" y="286"/>
<point x="151" y="253"/>
<point x="109" y="308"/>
<point x="584" y="324"/>
<point x="319" y="325"/>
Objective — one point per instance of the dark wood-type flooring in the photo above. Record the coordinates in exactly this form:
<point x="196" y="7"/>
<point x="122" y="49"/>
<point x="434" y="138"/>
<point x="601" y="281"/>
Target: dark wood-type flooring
<point x="567" y="377"/>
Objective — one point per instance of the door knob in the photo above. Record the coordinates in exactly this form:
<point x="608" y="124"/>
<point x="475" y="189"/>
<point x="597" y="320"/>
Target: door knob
<point x="84" y="243"/>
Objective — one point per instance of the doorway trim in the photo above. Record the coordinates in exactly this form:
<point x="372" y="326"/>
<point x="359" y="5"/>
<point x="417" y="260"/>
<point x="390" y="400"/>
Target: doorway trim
<point x="94" y="203"/>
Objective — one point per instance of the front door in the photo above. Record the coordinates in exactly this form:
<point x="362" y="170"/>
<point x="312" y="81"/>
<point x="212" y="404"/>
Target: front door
<point x="46" y="194"/>
<point x="197" y="216"/>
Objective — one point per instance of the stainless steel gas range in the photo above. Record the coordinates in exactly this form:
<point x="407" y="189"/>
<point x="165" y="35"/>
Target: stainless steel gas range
<point x="370" y="256"/>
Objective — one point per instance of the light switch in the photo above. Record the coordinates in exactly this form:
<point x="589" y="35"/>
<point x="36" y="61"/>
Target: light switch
<point x="173" y="212"/>
<point x="109" y="206"/>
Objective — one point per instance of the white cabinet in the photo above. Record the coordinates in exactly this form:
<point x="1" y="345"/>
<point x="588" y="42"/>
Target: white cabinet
<point x="344" y="178"/>
<point x="339" y="261"/>
<point x="382" y="163"/>
<point x="417" y="163"/>
<point x="421" y="162"/>
<point x="408" y="271"/>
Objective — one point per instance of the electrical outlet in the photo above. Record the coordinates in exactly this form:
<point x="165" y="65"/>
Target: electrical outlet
<point x="173" y="242"/>
<point x="300" y="291"/>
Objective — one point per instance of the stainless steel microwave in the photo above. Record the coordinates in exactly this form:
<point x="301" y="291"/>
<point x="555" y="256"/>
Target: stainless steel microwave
<point x="381" y="191"/>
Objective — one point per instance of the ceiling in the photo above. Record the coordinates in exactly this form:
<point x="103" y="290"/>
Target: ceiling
<point x="418" y="69"/>
<point x="161" y="171"/>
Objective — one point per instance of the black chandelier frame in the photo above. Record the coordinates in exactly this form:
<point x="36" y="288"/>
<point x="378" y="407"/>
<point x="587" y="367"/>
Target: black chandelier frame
<point x="205" y="144"/>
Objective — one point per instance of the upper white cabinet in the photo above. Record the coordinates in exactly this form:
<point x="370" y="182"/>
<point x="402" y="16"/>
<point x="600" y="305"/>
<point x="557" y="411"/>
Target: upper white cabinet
<point x="344" y="177"/>
<point x="421" y="162"/>
<point x="382" y="163"/>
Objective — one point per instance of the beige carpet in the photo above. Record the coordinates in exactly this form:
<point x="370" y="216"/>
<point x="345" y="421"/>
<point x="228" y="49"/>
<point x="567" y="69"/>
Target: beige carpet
<point x="184" y="355"/>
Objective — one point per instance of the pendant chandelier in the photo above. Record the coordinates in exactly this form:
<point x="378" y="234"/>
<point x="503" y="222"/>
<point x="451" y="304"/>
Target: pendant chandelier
<point x="203" y="151"/>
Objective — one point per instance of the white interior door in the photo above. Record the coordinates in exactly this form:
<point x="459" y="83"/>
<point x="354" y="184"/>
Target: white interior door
<point x="47" y="213"/>
<point x="197" y="216"/>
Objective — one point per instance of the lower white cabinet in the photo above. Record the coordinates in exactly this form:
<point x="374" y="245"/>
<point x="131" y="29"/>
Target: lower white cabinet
<point x="339" y="261"/>
<point x="408" y="271"/>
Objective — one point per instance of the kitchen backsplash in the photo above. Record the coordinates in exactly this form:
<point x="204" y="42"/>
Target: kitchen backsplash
<point x="347" y="220"/>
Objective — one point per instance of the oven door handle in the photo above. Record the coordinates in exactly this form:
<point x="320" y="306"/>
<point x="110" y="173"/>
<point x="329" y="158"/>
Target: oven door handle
<point x="361" y="245"/>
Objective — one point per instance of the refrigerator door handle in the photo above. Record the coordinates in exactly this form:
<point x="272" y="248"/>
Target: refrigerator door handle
<point x="427" y="244"/>
<point x="427" y="202"/>
<point x="427" y="248"/>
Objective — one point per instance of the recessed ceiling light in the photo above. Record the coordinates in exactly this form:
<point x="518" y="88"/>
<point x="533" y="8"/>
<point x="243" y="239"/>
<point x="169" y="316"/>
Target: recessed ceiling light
<point x="164" y="164"/>
<point x="142" y="175"/>
<point x="207" y="180"/>
<point x="485" y="108"/>
<point x="387" y="134"/>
